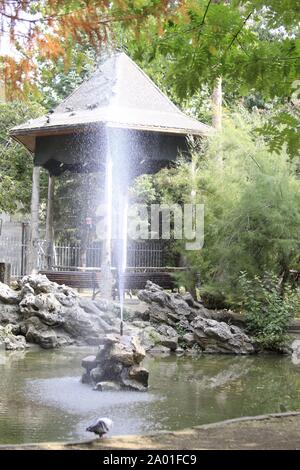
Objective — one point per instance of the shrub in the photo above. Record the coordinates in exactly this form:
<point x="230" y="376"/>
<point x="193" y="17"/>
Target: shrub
<point x="268" y="309"/>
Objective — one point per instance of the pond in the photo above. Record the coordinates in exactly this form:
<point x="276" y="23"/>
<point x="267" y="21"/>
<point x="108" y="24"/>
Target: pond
<point x="42" y="398"/>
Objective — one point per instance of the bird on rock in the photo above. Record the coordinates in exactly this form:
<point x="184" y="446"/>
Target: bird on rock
<point x="100" y="426"/>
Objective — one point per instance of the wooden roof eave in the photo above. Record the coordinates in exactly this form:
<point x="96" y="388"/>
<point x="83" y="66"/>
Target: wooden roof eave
<point x="27" y="137"/>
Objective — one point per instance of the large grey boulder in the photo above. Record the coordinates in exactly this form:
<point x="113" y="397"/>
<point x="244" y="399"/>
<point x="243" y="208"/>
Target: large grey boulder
<point x="190" y="324"/>
<point x="40" y="334"/>
<point x="165" y="307"/>
<point x="44" y="306"/>
<point x="55" y="315"/>
<point x="219" y="337"/>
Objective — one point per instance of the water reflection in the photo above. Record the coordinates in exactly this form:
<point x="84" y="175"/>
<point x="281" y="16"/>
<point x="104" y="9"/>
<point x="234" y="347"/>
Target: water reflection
<point x="42" y="399"/>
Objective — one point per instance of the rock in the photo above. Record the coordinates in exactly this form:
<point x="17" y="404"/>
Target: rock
<point x="89" y="363"/>
<point x="218" y="337"/>
<point x="171" y="343"/>
<point x="138" y="350"/>
<point x="11" y="341"/>
<point x="133" y="384"/>
<point x="117" y="361"/>
<point x="159" y="350"/>
<point x="86" y="378"/>
<point x="121" y="353"/>
<point x="44" y="306"/>
<point x="149" y="337"/>
<point x="107" y="386"/>
<point x="154" y="294"/>
<point x="96" y="374"/>
<point x="295" y="346"/>
<point x="189" y="339"/>
<point x="189" y="299"/>
<point x="9" y="313"/>
<point x="15" y="343"/>
<point x="102" y="304"/>
<point x="26" y="289"/>
<point x="168" y="336"/>
<point x="94" y="340"/>
<point x="143" y="315"/>
<point x="159" y="315"/>
<point x="166" y="330"/>
<point x="193" y="322"/>
<point x="38" y="333"/>
<point x="179" y="351"/>
<point x="63" y="339"/>
<point x="140" y="324"/>
<point x="164" y="307"/>
<point x="58" y="308"/>
<point x="78" y="323"/>
<point x="139" y="374"/>
<point x="107" y="328"/>
<point x="89" y="306"/>
<point x="39" y="283"/>
<point x="8" y="295"/>
<point x="125" y="349"/>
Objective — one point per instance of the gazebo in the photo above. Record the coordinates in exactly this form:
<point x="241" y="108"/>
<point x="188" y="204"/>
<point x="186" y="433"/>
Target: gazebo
<point x="120" y="97"/>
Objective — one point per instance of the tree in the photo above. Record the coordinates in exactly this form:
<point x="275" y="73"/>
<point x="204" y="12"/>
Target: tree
<point x="185" y="45"/>
<point x="252" y="202"/>
<point x="15" y="162"/>
<point x="51" y="27"/>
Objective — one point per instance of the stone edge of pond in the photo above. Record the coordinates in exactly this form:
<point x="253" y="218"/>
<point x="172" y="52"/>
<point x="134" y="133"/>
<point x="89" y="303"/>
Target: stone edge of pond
<point x="188" y="438"/>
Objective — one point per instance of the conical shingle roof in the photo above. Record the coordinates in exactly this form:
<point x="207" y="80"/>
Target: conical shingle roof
<point x="119" y="94"/>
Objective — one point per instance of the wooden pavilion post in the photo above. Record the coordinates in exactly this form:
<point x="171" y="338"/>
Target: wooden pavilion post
<point x="34" y="222"/>
<point x="49" y="222"/>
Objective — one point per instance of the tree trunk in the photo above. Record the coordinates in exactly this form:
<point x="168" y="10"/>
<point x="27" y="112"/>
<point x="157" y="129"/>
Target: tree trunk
<point x="217" y="105"/>
<point x="217" y="114"/>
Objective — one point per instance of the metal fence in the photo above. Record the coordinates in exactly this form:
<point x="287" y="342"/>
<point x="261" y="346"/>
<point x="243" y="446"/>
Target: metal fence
<point x="139" y="254"/>
<point x="14" y="251"/>
<point x="148" y="253"/>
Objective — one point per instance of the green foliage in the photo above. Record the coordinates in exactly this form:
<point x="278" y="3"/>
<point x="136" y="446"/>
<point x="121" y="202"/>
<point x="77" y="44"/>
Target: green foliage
<point x="268" y="310"/>
<point x="240" y="41"/>
<point x="58" y="81"/>
<point x="143" y="190"/>
<point x="283" y="130"/>
<point x="76" y="199"/>
<point x="15" y="161"/>
<point x="252" y="207"/>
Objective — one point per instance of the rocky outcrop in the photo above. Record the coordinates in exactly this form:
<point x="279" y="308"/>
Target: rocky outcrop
<point x="51" y="315"/>
<point x="177" y="320"/>
<point x="117" y="365"/>
<point x="218" y="337"/>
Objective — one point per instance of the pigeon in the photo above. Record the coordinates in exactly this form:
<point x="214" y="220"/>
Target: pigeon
<point x="100" y="426"/>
